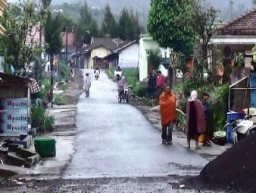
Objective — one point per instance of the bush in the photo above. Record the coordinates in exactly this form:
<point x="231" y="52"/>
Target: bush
<point x="40" y="120"/>
<point x="37" y="116"/>
<point x="61" y="100"/>
<point x="139" y="90"/>
<point x="48" y="123"/>
<point x="63" y="72"/>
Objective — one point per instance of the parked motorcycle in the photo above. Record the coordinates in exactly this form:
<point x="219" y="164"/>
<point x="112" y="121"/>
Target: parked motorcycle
<point x="123" y="95"/>
<point x="242" y="128"/>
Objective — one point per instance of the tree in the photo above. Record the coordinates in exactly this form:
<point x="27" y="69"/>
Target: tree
<point x="204" y="17"/>
<point x="86" y="27"/>
<point x="109" y="25"/>
<point x="124" y="25"/>
<point x="169" y="24"/>
<point x="52" y="31"/>
<point x="19" y="22"/>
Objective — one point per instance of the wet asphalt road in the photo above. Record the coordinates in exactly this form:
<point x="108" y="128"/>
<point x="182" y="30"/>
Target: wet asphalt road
<point x="115" y="140"/>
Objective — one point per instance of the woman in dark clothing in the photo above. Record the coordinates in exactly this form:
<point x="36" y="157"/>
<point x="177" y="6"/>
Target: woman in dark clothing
<point x="151" y="85"/>
<point x="195" y="119"/>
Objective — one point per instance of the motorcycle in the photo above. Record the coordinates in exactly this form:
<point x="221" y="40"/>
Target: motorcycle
<point x="96" y="74"/>
<point x="123" y="95"/>
<point x="242" y="128"/>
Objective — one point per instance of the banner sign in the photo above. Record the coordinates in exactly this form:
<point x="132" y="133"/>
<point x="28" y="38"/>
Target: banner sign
<point x="13" y="103"/>
<point x="14" y="119"/>
<point x="14" y="128"/>
<point x="13" y="116"/>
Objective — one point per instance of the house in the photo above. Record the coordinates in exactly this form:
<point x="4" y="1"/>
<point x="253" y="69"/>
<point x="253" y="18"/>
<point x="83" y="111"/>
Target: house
<point x="126" y="56"/>
<point x="147" y="44"/>
<point x="236" y="41"/>
<point x="105" y="51"/>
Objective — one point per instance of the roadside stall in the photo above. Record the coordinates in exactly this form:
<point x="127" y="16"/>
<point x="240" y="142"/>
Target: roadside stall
<point x="15" y="105"/>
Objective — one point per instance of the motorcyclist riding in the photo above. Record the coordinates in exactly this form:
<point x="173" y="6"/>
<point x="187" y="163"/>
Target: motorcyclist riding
<point x="96" y="72"/>
<point x="121" y="85"/>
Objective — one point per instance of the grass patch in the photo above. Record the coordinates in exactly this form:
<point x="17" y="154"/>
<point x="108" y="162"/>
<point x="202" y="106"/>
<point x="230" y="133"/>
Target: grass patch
<point x="61" y="100"/>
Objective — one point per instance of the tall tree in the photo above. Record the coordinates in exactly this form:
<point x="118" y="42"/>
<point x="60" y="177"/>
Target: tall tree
<point x="109" y="25"/>
<point x="203" y="20"/>
<point x="52" y="31"/>
<point x="86" y="27"/>
<point x="124" y="26"/>
<point x="20" y="22"/>
<point x="169" y="24"/>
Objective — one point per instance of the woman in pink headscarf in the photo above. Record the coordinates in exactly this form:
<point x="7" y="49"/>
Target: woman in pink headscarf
<point x="195" y="123"/>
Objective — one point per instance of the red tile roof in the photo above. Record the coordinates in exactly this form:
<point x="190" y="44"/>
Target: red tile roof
<point x="243" y="25"/>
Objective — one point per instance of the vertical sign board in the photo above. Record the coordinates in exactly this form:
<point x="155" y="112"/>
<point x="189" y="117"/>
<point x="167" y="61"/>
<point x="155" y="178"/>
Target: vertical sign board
<point x="14" y="117"/>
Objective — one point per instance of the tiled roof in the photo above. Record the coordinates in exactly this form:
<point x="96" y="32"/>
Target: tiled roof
<point x="109" y="43"/>
<point x="243" y="25"/>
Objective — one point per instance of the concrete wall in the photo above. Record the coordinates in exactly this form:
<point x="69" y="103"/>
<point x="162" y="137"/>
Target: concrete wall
<point x="146" y="44"/>
<point x="129" y="57"/>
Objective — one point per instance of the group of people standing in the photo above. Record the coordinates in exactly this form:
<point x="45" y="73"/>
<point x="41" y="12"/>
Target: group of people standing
<point x="198" y="117"/>
<point x="156" y="82"/>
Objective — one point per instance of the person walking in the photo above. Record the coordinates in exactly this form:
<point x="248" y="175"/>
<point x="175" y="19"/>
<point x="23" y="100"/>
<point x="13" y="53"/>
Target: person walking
<point x="87" y="84"/>
<point x="167" y="103"/>
<point x="195" y="122"/>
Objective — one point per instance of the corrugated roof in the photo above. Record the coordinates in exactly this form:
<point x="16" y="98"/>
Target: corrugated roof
<point x="15" y="80"/>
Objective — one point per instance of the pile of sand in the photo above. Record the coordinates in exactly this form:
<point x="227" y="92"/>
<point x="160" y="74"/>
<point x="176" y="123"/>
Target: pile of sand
<point x="235" y="169"/>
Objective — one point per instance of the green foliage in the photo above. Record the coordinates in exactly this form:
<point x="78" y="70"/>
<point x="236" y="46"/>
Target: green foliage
<point x="154" y="59"/>
<point x="61" y="100"/>
<point x="37" y="116"/>
<point x="218" y="99"/>
<point x="109" y="25"/>
<point x="40" y="119"/>
<point x="139" y="90"/>
<point x="18" y="21"/>
<point x="52" y="30"/>
<point x="220" y="105"/>
<point x="63" y="72"/>
<point x="129" y="28"/>
<point x="86" y="26"/>
<point x="48" y="123"/>
<point x="239" y="59"/>
<point x="169" y="23"/>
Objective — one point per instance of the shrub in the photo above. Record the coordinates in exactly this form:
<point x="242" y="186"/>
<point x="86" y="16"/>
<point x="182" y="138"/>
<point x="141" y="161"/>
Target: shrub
<point x="61" y="100"/>
<point x="63" y="72"/>
<point x="139" y="90"/>
<point x="37" y="116"/>
<point x="48" y="123"/>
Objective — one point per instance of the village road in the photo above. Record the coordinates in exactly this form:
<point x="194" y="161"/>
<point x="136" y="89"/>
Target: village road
<point x="118" y="150"/>
<point x="115" y="140"/>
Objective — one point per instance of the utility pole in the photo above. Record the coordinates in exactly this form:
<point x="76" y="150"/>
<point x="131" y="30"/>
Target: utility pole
<point x="66" y="44"/>
<point x="231" y="9"/>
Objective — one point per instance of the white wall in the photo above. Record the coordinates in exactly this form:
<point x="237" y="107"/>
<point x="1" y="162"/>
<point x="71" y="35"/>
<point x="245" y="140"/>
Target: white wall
<point x="146" y="44"/>
<point x="129" y="57"/>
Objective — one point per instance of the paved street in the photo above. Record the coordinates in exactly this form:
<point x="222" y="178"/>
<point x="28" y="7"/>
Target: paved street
<point x="116" y="140"/>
